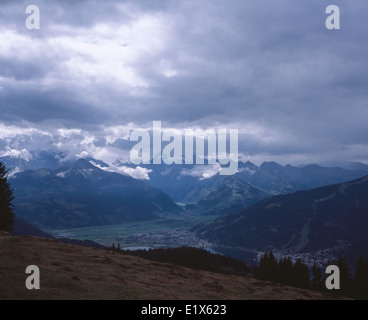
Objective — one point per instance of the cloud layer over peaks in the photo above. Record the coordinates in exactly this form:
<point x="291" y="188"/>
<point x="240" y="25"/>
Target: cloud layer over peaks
<point x="95" y="70"/>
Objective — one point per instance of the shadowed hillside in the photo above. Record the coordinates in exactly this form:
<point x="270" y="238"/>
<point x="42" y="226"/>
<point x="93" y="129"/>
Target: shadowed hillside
<point x="332" y="217"/>
<point x="81" y="194"/>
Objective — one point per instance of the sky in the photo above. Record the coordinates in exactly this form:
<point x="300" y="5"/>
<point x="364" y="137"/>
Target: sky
<point x="95" y="70"/>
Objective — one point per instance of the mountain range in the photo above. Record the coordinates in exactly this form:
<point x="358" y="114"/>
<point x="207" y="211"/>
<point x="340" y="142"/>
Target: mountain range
<point x="53" y="192"/>
<point x="35" y="161"/>
<point x="80" y="194"/>
<point x="180" y="181"/>
<point x="217" y="195"/>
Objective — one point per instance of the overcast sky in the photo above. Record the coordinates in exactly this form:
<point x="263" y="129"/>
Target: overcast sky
<point x="296" y="91"/>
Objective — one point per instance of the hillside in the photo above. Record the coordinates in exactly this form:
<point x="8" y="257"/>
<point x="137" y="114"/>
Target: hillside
<point x="22" y="227"/>
<point x="326" y="218"/>
<point x="277" y="179"/>
<point x="73" y="272"/>
<point x="80" y="194"/>
<point x="223" y="195"/>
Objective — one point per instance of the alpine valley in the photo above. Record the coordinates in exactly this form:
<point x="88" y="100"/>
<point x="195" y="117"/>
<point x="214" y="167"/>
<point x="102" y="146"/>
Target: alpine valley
<point x="313" y="212"/>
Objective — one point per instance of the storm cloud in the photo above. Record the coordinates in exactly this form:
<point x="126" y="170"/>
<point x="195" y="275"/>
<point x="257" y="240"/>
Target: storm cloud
<point x="296" y="91"/>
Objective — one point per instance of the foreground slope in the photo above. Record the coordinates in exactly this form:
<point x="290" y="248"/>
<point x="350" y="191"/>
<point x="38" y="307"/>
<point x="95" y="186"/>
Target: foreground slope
<point x="74" y="272"/>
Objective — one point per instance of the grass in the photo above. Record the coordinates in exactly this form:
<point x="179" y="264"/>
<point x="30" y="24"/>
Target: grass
<point x="80" y="273"/>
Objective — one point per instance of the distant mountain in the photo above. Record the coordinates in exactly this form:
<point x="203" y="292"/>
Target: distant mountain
<point x="270" y="177"/>
<point x="217" y="194"/>
<point x="277" y="179"/>
<point x="223" y="195"/>
<point x="81" y="194"/>
<point x="349" y="165"/>
<point x="179" y="180"/>
<point x="333" y="217"/>
<point x="169" y="178"/>
<point x="228" y="194"/>
<point x="37" y="160"/>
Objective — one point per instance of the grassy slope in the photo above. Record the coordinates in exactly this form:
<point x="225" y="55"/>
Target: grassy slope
<point x="74" y="272"/>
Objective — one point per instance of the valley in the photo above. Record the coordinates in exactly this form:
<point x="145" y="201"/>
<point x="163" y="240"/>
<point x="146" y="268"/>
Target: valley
<point x="161" y="232"/>
<point x="294" y="211"/>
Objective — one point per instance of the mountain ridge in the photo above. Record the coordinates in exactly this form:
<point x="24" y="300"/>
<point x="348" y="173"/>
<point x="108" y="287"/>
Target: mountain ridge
<point x="81" y="194"/>
<point x="303" y="222"/>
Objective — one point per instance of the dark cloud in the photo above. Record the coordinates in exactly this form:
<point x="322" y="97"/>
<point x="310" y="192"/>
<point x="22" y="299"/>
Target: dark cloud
<point x="269" y="68"/>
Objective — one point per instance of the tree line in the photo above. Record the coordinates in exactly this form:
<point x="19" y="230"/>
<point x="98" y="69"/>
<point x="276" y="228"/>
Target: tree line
<point x="284" y="271"/>
<point x="298" y="274"/>
<point x="190" y="257"/>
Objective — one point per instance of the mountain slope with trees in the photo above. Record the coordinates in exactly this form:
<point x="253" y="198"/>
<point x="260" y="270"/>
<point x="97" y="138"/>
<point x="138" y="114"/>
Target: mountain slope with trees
<point x="81" y="194"/>
<point x="223" y="195"/>
<point x="304" y="221"/>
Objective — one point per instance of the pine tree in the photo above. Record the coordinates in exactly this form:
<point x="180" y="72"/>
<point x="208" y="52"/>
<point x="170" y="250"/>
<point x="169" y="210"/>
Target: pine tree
<point x="273" y="267"/>
<point x="317" y="281"/>
<point x="345" y="281"/>
<point x="6" y="198"/>
<point x="360" y="288"/>
<point x="285" y="271"/>
<point x="268" y="268"/>
<point x="262" y="268"/>
<point x="301" y="275"/>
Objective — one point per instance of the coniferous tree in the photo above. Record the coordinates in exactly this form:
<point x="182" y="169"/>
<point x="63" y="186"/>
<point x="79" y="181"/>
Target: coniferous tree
<point x="317" y="281"/>
<point x="262" y="268"/>
<point x="6" y="198"/>
<point x="301" y="275"/>
<point x="285" y="271"/>
<point x="345" y="281"/>
<point x="273" y="267"/>
<point x="268" y="268"/>
<point x="360" y="288"/>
